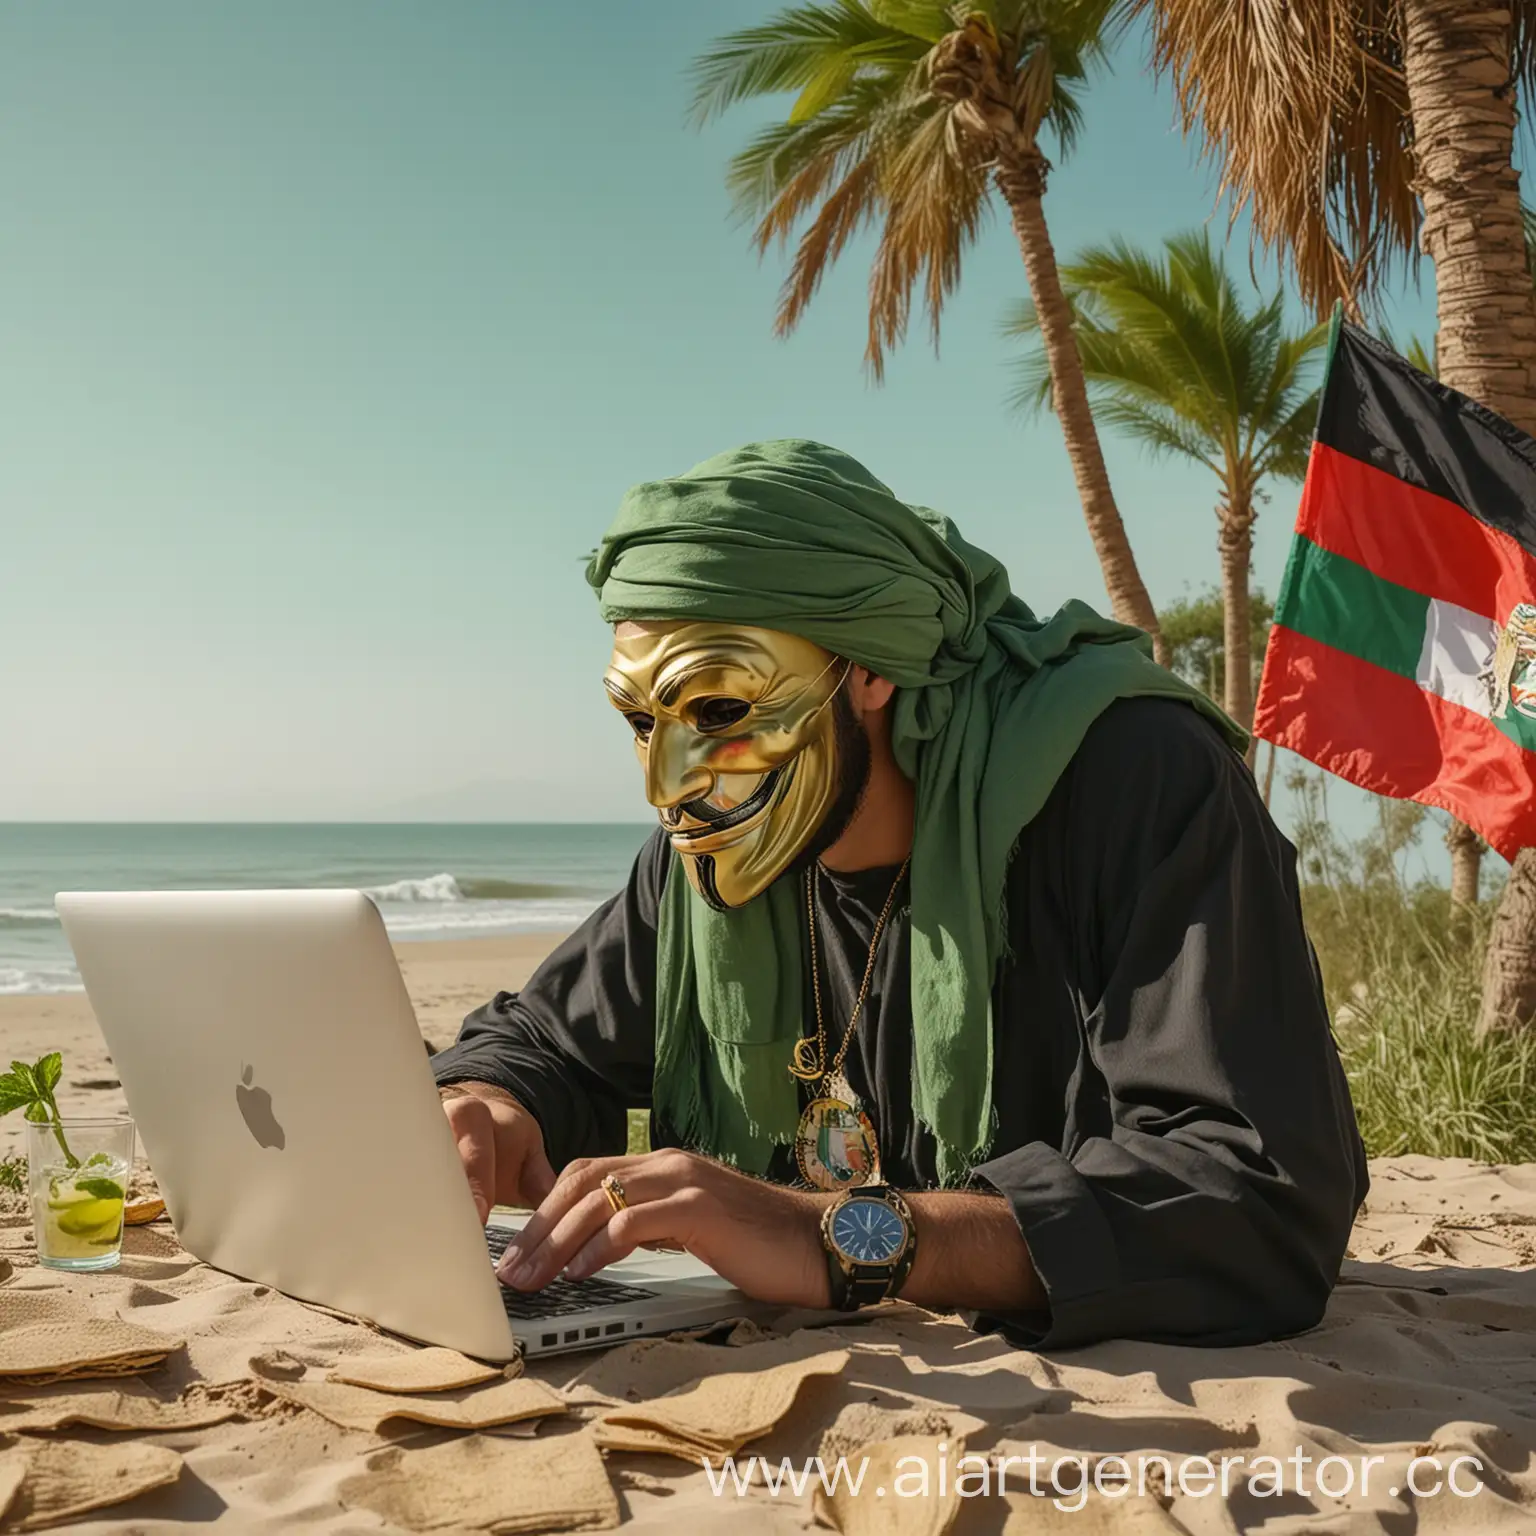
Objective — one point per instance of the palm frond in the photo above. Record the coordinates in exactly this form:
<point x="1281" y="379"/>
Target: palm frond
<point x="788" y="166"/>
<point x="1159" y="431"/>
<point x="1425" y="358"/>
<point x="873" y="137"/>
<point x="935" y="200"/>
<point x="853" y="204"/>
<point x="1288" y="448"/>
<point x="926" y="20"/>
<point x="1020" y="319"/>
<point x="1304" y="105"/>
<point x="791" y="51"/>
<point x="1174" y="357"/>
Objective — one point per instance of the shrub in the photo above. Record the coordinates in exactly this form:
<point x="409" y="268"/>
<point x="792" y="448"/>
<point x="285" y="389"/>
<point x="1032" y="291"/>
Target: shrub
<point x="1403" y="973"/>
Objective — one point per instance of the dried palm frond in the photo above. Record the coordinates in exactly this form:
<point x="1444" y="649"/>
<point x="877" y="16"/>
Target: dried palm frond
<point x="1303" y="105"/>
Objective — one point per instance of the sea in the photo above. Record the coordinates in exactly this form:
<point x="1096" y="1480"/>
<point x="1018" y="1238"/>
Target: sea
<point x="438" y="881"/>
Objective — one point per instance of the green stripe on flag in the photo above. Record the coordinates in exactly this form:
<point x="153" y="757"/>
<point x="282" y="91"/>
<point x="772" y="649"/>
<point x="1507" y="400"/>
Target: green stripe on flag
<point x="1336" y="602"/>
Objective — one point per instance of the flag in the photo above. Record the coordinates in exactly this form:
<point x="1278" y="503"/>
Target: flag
<point x="1403" y="653"/>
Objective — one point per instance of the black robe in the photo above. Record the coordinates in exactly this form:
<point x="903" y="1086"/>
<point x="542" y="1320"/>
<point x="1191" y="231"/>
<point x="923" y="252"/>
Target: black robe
<point x="1174" y="1132"/>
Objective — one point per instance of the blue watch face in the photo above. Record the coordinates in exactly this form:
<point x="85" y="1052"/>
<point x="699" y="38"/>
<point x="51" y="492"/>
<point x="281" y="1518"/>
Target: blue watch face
<point x="868" y="1232"/>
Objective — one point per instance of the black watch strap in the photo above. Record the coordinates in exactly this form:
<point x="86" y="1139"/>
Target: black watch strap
<point x="868" y="1284"/>
<point x="862" y="1285"/>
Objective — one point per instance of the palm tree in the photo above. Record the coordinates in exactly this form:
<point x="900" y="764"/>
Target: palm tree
<point x="908" y="114"/>
<point x="1176" y="360"/>
<point x="1357" y="130"/>
<point x="1361" y="131"/>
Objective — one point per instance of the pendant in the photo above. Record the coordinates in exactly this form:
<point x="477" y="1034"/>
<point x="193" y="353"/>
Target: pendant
<point x="805" y="1061"/>
<point x="835" y="1143"/>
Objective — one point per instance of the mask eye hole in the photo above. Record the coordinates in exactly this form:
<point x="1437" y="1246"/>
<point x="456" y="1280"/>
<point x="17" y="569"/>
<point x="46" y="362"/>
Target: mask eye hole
<point x="720" y="714"/>
<point x="641" y="724"/>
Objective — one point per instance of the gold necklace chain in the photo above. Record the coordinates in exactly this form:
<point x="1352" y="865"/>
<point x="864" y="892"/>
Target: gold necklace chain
<point x="804" y="1064"/>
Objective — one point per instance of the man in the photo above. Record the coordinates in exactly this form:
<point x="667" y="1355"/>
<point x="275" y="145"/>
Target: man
<point x="966" y="964"/>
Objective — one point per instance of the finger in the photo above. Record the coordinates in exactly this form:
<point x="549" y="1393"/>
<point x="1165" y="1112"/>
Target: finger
<point x="637" y="1226"/>
<point x="577" y="1181"/>
<point x="535" y="1267"/>
<point x="545" y="1250"/>
<point x="474" y="1135"/>
<point x="538" y="1178"/>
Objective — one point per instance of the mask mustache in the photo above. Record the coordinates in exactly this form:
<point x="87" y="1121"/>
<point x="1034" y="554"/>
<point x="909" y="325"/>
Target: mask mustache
<point x="716" y="820"/>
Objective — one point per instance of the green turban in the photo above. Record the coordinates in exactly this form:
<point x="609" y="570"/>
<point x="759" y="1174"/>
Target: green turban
<point x="990" y="705"/>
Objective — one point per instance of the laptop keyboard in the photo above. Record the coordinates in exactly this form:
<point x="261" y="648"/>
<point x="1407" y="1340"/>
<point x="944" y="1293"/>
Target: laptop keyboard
<point x="561" y="1297"/>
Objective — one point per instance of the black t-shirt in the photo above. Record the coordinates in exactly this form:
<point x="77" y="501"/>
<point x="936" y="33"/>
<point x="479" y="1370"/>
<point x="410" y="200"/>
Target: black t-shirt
<point x="1173" y="1129"/>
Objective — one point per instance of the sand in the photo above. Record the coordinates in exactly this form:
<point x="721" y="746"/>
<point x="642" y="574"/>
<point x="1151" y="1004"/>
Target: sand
<point x="1428" y="1350"/>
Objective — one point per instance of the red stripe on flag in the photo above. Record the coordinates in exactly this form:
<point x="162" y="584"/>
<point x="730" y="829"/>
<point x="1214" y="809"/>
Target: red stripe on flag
<point x="1385" y="733"/>
<point x="1411" y="536"/>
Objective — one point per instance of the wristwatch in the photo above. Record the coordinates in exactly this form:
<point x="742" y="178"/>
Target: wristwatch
<point x="871" y="1241"/>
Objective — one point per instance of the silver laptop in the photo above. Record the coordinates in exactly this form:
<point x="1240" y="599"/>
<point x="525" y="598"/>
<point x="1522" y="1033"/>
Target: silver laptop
<point x="272" y="1062"/>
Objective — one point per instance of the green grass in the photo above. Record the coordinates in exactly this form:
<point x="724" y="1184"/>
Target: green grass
<point x="13" y="1173"/>
<point x="1421" y="1079"/>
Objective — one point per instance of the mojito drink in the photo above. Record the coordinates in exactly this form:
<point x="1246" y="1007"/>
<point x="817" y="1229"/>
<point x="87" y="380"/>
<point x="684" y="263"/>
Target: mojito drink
<point x="77" y="1198"/>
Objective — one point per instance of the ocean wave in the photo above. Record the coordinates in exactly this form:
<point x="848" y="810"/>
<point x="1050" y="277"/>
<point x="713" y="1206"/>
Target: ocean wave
<point x="432" y="888"/>
<point x="445" y="888"/>
<point x="489" y="917"/>
<point x="17" y="981"/>
<point x="27" y="917"/>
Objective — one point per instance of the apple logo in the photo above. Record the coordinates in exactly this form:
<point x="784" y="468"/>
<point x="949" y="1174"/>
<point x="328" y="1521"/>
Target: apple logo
<point x="256" y="1110"/>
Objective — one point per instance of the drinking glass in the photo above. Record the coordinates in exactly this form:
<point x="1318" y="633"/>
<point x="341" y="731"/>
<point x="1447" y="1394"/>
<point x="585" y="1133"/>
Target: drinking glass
<point x="78" y="1173"/>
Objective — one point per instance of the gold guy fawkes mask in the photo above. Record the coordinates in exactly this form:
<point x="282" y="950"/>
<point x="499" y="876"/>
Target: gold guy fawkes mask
<point x="735" y="732"/>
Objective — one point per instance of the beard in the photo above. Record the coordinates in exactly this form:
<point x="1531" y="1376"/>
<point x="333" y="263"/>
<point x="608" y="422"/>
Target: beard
<point x="853" y="758"/>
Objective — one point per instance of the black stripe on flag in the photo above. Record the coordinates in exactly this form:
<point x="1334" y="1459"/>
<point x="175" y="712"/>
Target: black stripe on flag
<point x="1379" y="409"/>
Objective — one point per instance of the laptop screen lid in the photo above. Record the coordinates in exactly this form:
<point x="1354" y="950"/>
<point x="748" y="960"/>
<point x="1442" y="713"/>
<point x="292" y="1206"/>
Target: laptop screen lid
<point x="271" y="1058"/>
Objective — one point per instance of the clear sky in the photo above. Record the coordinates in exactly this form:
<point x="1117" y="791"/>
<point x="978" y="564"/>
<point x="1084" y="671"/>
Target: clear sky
<point x="330" y="336"/>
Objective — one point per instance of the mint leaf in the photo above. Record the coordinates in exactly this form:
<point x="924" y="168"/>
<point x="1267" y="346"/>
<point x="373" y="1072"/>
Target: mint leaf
<point x="13" y="1093"/>
<point x="102" y="1189"/>
<point x="96" y="1159"/>
<point x="23" y="1075"/>
<point x="48" y="1070"/>
<point x="37" y="1112"/>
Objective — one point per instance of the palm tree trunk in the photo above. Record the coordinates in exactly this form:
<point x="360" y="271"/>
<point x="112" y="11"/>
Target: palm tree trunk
<point x="1466" y="863"/>
<point x="1236" y="544"/>
<point x="1456" y="59"/>
<point x="1021" y="177"/>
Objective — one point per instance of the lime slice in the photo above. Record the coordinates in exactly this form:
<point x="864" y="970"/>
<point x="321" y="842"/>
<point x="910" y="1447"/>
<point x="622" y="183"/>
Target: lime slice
<point x="91" y="1218"/>
<point x="67" y="1197"/>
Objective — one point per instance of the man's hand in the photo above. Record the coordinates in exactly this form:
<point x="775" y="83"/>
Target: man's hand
<point x="762" y="1237"/>
<point x="500" y="1145"/>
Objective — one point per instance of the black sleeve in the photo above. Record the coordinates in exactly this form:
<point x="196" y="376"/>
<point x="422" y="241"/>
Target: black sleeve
<point x="1212" y="1200"/>
<point x="576" y="1046"/>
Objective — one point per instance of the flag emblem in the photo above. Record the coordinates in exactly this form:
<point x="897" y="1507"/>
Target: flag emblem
<point x="1512" y="677"/>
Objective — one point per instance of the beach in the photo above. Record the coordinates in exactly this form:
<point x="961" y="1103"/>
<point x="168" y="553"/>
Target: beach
<point x="445" y="979"/>
<point x="1423" y="1361"/>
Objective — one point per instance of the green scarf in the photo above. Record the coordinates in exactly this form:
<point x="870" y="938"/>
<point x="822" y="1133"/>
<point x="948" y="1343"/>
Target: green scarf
<point x="990" y="705"/>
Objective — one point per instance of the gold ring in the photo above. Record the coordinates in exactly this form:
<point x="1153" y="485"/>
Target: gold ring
<point x="615" y="1192"/>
